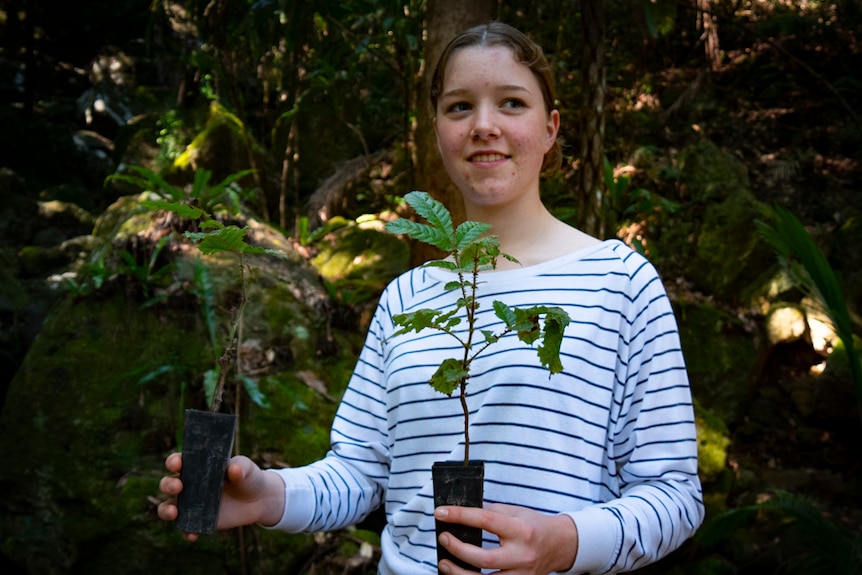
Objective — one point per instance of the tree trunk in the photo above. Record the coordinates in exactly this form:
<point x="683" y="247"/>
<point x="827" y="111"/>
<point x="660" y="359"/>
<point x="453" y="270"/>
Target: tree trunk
<point x="592" y="214"/>
<point x="709" y="27"/>
<point x="443" y="20"/>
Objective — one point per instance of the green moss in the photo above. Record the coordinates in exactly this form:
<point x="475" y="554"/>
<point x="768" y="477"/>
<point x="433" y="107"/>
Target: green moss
<point x="712" y="443"/>
<point x="720" y="356"/>
<point x="360" y="259"/>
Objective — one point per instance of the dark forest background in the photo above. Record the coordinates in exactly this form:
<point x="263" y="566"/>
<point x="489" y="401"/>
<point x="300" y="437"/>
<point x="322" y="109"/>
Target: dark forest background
<point x="722" y="138"/>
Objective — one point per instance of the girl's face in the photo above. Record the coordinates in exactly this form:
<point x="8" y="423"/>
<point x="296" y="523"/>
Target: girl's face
<point x="492" y="126"/>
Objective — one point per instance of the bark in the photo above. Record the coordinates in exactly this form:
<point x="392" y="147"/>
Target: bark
<point x="709" y="26"/>
<point x="443" y="20"/>
<point x="592" y="212"/>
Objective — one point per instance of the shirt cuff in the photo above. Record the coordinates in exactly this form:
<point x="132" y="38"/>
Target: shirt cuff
<point x="599" y="540"/>
<point x="299" y="501"/>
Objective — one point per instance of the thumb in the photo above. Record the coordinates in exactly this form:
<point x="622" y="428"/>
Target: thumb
<point x="240" y="468"/>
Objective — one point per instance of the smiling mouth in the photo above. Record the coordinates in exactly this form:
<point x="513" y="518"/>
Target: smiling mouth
<point x="488" y="157"/>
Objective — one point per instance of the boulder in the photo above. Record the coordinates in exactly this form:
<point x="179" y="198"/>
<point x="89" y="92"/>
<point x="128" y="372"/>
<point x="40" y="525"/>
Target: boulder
<point x="97" y="404"/>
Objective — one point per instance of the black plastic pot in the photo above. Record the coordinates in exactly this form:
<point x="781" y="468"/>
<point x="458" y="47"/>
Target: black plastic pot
<point x="463" y="485"/>
<point x="207" y="444"/>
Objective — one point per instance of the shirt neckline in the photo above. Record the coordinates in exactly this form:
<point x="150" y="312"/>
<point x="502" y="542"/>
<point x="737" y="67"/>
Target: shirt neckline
<point x="532" y="270"/>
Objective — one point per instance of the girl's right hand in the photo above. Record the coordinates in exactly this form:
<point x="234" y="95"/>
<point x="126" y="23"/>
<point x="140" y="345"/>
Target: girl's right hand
<point x="250" y="496"/>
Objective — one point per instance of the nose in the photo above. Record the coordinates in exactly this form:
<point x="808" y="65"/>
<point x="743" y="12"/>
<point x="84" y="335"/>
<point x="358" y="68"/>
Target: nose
<point x="484" y="124"/>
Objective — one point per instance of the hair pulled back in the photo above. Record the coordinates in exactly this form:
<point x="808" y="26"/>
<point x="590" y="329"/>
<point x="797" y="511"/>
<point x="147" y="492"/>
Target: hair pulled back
<point x="525" y="51"/>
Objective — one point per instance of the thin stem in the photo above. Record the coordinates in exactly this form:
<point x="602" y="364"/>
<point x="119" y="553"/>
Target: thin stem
<point x="466" y="421"/>
<point x="471" y="328"/>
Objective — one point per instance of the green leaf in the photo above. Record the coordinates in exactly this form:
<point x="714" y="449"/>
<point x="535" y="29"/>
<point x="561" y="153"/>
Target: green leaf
<point x="150" y="181"/>
<point x="468" y="232"/>
<point x="415" y="321"/>
<point x="506" y="314"/>
<point x="556" y="320"/>
<point x="442" y="264"/>
<point x="199" y="187"/>
<point x="449" y="376"/>
<point x="181" y="209"/>
<point x="254" y="392"/>
<point x="801" y="256"/>
<point x="452" y="286"/>
<point x="205" y="292"/>
<point x="227" y="239"/>
<point x="210" y="381"/>
<point x="211" y="225"/>
<point x="490" y="336"/>
<point x="421" y="232"/>
<point x="527" y="325"/>
<point x="433" y="211"/>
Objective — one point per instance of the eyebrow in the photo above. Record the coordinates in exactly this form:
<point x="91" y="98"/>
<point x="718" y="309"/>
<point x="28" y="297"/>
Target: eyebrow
<point x="504" y="88"/>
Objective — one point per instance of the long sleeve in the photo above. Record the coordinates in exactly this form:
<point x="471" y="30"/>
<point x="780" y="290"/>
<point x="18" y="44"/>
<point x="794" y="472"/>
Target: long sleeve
<point x="609" y="441"/>
<point x="349" y="483"/>
<point x="654" y="443"/>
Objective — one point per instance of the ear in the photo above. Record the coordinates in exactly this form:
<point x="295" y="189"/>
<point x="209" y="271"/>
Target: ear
<point x="553" y="128"/>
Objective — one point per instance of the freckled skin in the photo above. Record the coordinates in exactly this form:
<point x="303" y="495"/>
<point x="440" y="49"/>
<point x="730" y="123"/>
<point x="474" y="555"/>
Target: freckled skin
<point x="490" y="103"/>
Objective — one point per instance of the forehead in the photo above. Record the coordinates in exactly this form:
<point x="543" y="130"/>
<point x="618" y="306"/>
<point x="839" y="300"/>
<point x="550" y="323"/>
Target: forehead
<point x="496" y="64"/>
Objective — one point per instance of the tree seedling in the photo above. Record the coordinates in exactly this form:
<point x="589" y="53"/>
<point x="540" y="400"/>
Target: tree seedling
<point x="470" y="251"/>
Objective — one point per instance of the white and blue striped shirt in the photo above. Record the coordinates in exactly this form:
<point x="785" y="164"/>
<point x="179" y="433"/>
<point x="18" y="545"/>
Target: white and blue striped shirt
<point x="610" y="441"/>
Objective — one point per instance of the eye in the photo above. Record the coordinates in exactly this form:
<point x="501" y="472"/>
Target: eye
<point x="513" y="103"/>
<point x="458" y="107"/>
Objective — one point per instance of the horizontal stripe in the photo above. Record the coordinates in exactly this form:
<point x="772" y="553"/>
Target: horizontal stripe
<point x="614" y="430"/>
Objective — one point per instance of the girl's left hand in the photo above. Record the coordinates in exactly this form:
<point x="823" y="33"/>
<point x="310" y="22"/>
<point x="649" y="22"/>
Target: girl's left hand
<point x="531" y="543"/>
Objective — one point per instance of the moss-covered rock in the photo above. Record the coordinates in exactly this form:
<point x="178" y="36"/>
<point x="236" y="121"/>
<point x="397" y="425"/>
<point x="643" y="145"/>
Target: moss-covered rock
<point x="98" y="402"/>
<point x="728" y="254"/>
<point x="721" y="356"/>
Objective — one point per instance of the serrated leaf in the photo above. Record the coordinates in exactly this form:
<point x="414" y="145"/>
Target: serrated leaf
<point x="211" y="225"/>
<point x="416" y="320"/>
<point x="433" y="211"/>
<point x="421" y="232"/>
<point x="181" y="209"/>
<point x="527" y="324"/>
<point x="449" y="376"/>
<point x="555" y="324"/>
<point x="442" y="264"/>
<point x="468" y="232"/>
<point x="505" y="313"/>
<point x="490" y="336"/>
<point x="452" y="286"/>
<point x="227" y="239"/>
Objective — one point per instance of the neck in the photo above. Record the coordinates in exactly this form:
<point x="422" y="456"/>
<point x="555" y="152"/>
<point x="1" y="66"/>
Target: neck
<point x="520" y="229"/>
<point x="528" y="232"/>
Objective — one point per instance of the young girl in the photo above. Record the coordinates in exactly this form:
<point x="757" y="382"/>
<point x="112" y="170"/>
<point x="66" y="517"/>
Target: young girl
<point x="591" y="470"/>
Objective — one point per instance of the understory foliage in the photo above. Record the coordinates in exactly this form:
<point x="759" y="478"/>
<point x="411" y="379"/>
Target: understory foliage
<point x="295" y="95"/>
<point x="200" y="204"/>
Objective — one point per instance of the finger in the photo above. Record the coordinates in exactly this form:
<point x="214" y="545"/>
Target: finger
<point x="170" y="485"/>
<point x="500" y="524"/>
<point x="450" y="568"/>
<point x="470" y="516"/>
<point x="506" y="509"/>
<point x="167" y="511"/>
<point x="236" y="472"/>
<point x="469" y="553"/>
<point x="174" y="462"/>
